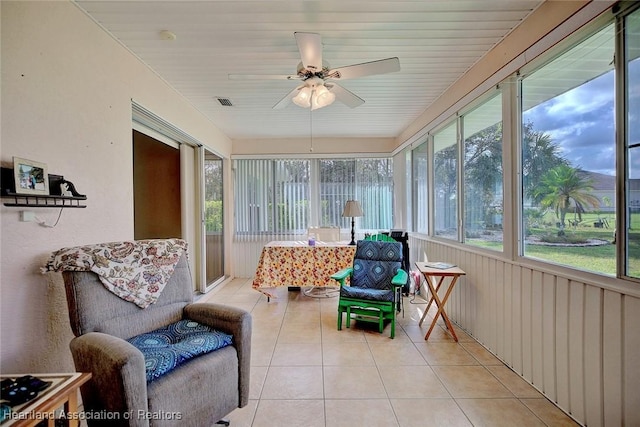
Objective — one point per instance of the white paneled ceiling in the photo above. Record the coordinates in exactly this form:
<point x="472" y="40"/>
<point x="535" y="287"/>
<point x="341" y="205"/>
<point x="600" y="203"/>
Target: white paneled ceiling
<point x="436" y="42"/>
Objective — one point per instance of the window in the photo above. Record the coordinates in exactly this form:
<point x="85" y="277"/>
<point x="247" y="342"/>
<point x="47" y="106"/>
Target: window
<point x="337" y="185"/>
<point x="632" y="72"/>
<point x="482" y="130"/>
<point x="568" y="157"/>
<point x="420" y="188"/>
<point x="570" y="167"/>
<point x="374" y="190"/>
<point x="445" y="170"/>
<point x="272" y="196"/>
<point x="277" y="196"/>
<point x="369" y="181"/>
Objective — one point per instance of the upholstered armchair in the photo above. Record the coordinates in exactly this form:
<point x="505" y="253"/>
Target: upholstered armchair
<point x="138" y="379"/>
<point x="375" y="278"/>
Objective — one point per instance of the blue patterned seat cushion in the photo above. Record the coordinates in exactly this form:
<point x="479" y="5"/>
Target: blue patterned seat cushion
<point x="374" y="265"/>
<point x="167" y="348"/>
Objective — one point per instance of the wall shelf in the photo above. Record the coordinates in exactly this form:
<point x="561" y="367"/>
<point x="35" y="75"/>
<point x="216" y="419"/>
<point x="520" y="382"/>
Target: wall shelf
<point x="42" y="201"/>
<point x="53" y="200"/>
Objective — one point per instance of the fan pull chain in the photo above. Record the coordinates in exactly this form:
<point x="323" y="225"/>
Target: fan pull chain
<point x="311" y="129"/>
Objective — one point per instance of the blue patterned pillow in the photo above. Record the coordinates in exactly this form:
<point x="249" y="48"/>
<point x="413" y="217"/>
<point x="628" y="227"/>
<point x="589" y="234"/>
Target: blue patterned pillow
<point x="167" y="348"/>
<point x="375" y="264"/>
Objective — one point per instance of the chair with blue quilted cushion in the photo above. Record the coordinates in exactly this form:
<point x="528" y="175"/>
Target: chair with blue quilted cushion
<point x="380" y="238"/>
<point x="375" y="277"/>
<point x="174" y="363"/>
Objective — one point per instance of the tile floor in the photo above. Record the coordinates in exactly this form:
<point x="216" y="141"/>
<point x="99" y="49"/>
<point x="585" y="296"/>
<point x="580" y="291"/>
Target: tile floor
<point x="306" y="373"/>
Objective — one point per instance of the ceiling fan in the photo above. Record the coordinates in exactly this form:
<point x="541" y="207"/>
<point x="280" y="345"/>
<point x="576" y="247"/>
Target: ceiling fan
<point x="319" y="87"/>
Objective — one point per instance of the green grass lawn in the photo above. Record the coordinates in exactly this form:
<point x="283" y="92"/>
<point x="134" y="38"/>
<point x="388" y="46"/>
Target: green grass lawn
<point x="599" y="259"/>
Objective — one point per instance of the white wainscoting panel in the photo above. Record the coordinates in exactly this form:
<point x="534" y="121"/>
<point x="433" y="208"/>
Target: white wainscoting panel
<point x="246" y="254"/>
<point x="577" y="343"/>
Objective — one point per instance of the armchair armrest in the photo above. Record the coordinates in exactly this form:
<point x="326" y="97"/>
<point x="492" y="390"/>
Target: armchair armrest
<point x="341" y="275"/>
<point x="236" y="322"/>
<point x="118" y="371"/>
<point x="400" y="279"/>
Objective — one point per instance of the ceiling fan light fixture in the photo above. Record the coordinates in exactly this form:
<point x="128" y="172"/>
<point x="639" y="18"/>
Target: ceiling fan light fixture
<point x="322" y="97"/>
<point x="314" y="72"/>
<point x="167" y="35"/>
<point x="303" y="98"/>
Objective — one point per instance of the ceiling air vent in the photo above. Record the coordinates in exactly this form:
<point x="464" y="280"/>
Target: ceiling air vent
<point x="225" y="102"/>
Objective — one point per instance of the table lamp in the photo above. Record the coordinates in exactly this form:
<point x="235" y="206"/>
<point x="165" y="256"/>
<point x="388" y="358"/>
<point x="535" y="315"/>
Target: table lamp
<point x="352" y="209"/>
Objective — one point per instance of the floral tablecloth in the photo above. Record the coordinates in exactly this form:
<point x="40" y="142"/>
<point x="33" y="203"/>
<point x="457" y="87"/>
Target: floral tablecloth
<point x="296" y="263"/>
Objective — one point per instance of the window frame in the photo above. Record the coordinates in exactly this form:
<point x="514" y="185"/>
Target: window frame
<point x="268" y="189"/>
<point x="458" y="122"/>
<point x="418" y="208"/>
<point x="546" y="52"/>
<point x="494" y="93"/>
<point x="622" y="142"/>
<point x="455" y="123"/>
<point x="546" y="58"/>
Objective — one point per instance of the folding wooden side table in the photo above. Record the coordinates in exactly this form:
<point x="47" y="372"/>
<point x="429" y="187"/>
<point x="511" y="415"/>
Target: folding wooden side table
<point x="431" y="272"/>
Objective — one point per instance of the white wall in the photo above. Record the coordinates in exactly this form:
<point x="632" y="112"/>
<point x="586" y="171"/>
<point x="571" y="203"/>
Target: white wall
<point x="66" y="101"/>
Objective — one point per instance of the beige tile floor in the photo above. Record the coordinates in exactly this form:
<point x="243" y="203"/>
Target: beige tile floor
<point x="306" y="373"/>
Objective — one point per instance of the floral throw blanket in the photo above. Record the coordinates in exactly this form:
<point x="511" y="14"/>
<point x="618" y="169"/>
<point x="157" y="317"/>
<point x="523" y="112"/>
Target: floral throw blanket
<point x="136" y="271"/>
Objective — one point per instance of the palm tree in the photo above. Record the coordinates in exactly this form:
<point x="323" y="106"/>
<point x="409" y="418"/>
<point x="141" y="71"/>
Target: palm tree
<point x="539" y="154"/>
<point x="483" y="161"/>
<point x="561" y="186"/>
<point x="483" y="172"/>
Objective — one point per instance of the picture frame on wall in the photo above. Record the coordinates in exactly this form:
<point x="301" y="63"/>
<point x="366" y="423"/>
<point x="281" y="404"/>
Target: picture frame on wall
<point x="30" y="177"/>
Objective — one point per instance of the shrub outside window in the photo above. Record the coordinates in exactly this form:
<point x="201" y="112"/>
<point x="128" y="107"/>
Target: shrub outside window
<point x="483" y="194"/>
<point x="445" y="171"/>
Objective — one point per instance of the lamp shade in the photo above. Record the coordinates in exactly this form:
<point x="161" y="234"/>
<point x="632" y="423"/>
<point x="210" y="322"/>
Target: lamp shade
<point x="314" y="94"/>
<point x="352" y="209"/>
<point x="303" y="98"/>
<point x="322" y="97"/>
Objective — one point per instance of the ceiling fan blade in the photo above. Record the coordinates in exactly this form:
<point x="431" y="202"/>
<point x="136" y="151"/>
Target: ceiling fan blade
<point x="381" y="66"/>
<point x="310" y="47"/>
<point x="263" y="77"/>
<point x="284" y="102"/>
<point x="345" y="96"/>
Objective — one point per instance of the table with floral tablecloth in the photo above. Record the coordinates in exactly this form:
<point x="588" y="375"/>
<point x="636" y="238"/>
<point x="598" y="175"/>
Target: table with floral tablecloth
<point x="297" y="264"/>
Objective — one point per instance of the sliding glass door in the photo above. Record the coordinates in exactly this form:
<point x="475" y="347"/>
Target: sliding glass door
<point x="213" y="220"/>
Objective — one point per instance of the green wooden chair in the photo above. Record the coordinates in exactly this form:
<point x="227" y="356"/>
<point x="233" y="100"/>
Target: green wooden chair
<point x="375" y="277"/>
<point x="380" y="238"/>
<point x="405" y="266"/>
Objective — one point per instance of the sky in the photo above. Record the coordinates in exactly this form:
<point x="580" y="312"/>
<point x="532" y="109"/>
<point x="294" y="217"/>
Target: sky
<point x="582" y="122"/>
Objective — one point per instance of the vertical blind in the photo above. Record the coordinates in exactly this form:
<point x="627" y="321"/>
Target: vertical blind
<point x="275" y="197"/>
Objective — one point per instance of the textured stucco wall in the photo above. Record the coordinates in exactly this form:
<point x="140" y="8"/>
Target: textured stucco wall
<point x="67" y="88"/>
